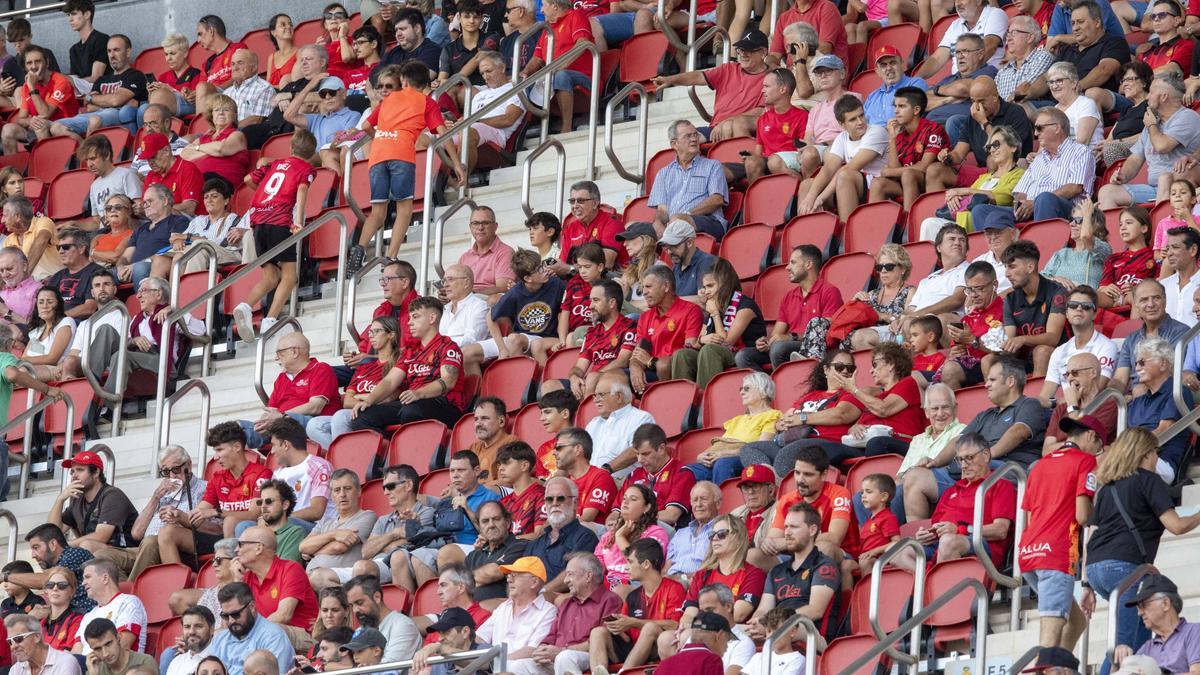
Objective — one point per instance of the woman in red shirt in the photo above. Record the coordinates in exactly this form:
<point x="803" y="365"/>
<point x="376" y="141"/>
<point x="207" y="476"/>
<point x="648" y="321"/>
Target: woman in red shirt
<point x="60" y="623"/>
<point x="221" y="150"/>
<point x="726" y="563"/>
<point x="384" y="335"/>
<point x="336" y="40"/>
<point x="175" y="88"/>
<point x="897" y="407"/>
<point x="282" y="61"/>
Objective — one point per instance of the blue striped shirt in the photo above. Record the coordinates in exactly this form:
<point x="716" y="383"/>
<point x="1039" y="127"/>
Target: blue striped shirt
<point x="1073" y="165"/>
<point x="682" y="189"/>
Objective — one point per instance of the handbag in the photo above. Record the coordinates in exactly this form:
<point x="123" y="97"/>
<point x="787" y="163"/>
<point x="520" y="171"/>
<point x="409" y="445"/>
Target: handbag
<point x="849" y="317"/>
<point x="1133" y="531"/>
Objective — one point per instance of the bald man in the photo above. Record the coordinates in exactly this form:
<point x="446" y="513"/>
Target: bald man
<point x="251" y="93"/>
<point x="281" y="589"/>
<point x="261" y="662"/>
<point x="305" y="389"/>
<point x="464" y="315"/>
<point x="988" y="111"/>
<point x="1082" y="382"/>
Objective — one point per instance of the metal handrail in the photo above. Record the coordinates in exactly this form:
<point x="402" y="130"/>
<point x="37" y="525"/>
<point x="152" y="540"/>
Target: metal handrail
<point x="643" y="130"/>
<point x="110" y="463"/>
<point x="498" y="654"/>
<point x="918" y="598"/>
<point x="1122" y="406"/>
<point x="439" y="228"/>
<point x="260" y="352"/>
<point x="813" y="643"/>
<point x="30" y="10"/>
<point x="69" y="442"/>
<point x="692" y="46"/>
<point x="545" y="72"/>
<point x="14" y="530"/>
<point x="122" y="357"/>
<point x="1114" y="603"/>
<point x="1177" y="386"/>
<point x="468" y="90"/>
<point x="294" y="240"/>
<point x="980" y="546"/>
<point x="177" y="263"/>
<point x="560" y="179"/>
<point x="981" y="625"/>
<point x="205" y="409"/>
<point x="547" y="85"/>
<point x="26" y="456"/>
<point x="348" y="188"/>
<point x="352" y="296"/>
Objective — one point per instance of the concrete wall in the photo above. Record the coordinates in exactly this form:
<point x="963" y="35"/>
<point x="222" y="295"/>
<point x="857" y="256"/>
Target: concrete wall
<point x="147" y="22"/>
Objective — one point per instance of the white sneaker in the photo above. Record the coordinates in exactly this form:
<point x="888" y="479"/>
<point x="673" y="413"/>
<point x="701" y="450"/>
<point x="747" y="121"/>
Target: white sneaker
<point x="266" y="323"/>
<point x="243" y="321"/>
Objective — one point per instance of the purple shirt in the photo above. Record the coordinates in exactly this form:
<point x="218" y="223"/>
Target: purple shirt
<point x="20" y="298"/>
<point x="489" y="266"/>
<point x="1178" y="651"/>
<point x="576" y="619"/>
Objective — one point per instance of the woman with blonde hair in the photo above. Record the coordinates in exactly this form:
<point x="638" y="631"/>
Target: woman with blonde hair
<point x="1131" y="510"/>
<point x="60" y="623"/>
<point x="642" y="247"/>
<point x="893" y="267"/>
<point x="221" y="150"/>
<point x="174" y="89"/>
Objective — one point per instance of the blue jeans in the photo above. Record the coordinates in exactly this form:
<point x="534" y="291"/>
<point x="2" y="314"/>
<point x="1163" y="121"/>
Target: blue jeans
<point x="722" y="470"/>
<point x="1049" y="205"/>
<point x="956" y="128"/>
<point x="617" y="27"/>
<point x="256" y="440"/>
<point x="109" y="117"/>
<point x="141" y="270"/>
<point x="184" y="108"/>
<point x="942" y="114"/>
<point x="1104" y="576"/>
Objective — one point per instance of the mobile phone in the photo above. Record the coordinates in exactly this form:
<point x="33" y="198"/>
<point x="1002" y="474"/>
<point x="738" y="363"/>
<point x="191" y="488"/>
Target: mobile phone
<point x="743" y="153"/>
<point x="645" y="344"/>
<point x="799" y="143"/>
<point x="959" y="325"/>
<point x="610" y="617"/>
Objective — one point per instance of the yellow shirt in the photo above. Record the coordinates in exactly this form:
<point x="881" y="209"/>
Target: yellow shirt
<point x="749" y="428"/>
<point x="49" y="262"/>
<point x="1001" y="189"/>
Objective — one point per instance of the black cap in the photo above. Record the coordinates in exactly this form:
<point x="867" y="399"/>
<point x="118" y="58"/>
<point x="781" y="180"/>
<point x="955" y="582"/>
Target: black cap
<point x="1149" y="585"/>
<point x="637" y="229"/>
<point x="1054" y="657"/>
<point x="711" y="621"/>
<point x="454" y="617"/>
<point x="365" y="638"/>
<point x="752" y="40"/>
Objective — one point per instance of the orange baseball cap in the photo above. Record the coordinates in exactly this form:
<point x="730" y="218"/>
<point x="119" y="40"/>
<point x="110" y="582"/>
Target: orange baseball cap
<point x="530" y="564"/>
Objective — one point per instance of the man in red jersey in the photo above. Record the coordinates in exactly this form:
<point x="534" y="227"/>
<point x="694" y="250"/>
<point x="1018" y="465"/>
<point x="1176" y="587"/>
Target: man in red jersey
<point x="982" y="329"/>
<point x="428" y="377"/>
<point x="513" y="469"/>
<point x="218" y="68"/>
<point x="913" y="144"/>
<point x="668" y="325"/>
<point x="228" y="500"/>
<point x="777" y="130"/>
<point x="658" y="470"/>
<point x="306" y="388"/>
<point x="653" y="608"/>
<point x="597" y="489"/>
<point x="183" y="177"/>
<point x="607" y="345"/>
<point x="280" y="587"/>
<point x="570" y="26"/>
<point x="588" y="222"/>
<point x="397" y="279"/>
<point x="1058" y="498"/>
<point x="45" y="96"/>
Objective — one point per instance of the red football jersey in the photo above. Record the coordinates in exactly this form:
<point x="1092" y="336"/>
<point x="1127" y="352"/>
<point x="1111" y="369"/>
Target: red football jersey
<point x="602" y="346"/>
<point x="833" y="504"/>
<point x="577" y="302"/>
<point x="1051" y="537"/>
<point x="779" y="133"/>
<point x="423" y="364"/>
<point x="547" y="463"/>
<point x="228" y="493"/>
<point x="527" y="509"/>
<point x="597" y="490"/>
<point x="879" y="530"/>
<point x="218" y="68"/>
<point x="278" y="184"/>
<point x="1127" y="268"/>
<point x="928" y="137"/>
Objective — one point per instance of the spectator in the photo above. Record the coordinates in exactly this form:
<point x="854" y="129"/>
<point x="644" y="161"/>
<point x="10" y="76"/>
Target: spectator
<point x="1149" y="300"/>
<point x="1059" y="500"/>
<point x="456" y="591"/>
<point x="391" y="531"/>
<point x="226" y="231"/>
<point x="716" y="598"/>
<point x="461" y="59"/>
<point x="496" y="547"/>
<point x="179" y="487"/>
<point x="1153" y="409"/>
<point x="311" y="62"/>
<point x="569" y="26"/>
<point x="757" y="485"/>
<point x="59" y="621"/>
<point x="247" y="631"/>
<point x="1083" y="263"/>
<point x="1096" y="54"/>
<point x="20" y="598"/>
<point x="809" y="583"/>
<point x="1081" y="111"/>
<point x="634" y="519"/>
<point x="913" y="144"/>
<point x="117" y="217"/>
<point x="50" y="332"/>
<point x="822" y="15"/>
<point x="308" y="475"/>
<point x="277" y="517"/>
<point x="710" y="637"/>
<point x="522" y="16"/>
<point x="1057" y="659"/>
<point x="35" y="236"/>
<point x="556" y="409"/>
<point x="182" y="178"/>
<point x="141" y="258"/>
<point x="335" y="545"/>
<point x="1060" y="26"/>
<point x="412" y="43"/>
<point x="465" y="494"/>
<point x="384" y="334"/>
<point x="456" y="634"/>
<point x="1081" y="384"/>
<point x="464" y="316"/>
<point x="174" y="88"/>
<point x="689" y="545"/>
<point x="157" y="120"/>
<point x="582" y="611"/>
<point x="641" y="244"/>
<point x="658" y="470"/>
<point x="1034" y="313"/>
<point x="529" y="309"/>
<point x="1139" y="665"/>
<point x="1135" y="81"/>
<point x="397" y="281"/>
<point x="368" y="46"/>
<point x="1059" y="175"/>
<point x="221" y="150"/>
<point x="19" y="35"/>
<point x="573" y="454"/>
<point x="598" y="355"/>
<point x="988" y="113"/>
<point x="612" y="429"/>
<point x="488" y="257"/>
<point x="331" y="121"/>
<point x="1025" y="59"/>
<point x="114" y="98"/>
<point x="96" y="153"/>
<point x="45" y="96"/>
<point x="49" y="549"/>
<point x="689" y="263"/>
<point x="229" y="498"/>
<point x="670" y="324"/>
<point x="1001" y="232"/>
<point x="280" y="589"/>
<point x="87" y="55"/>
<point x="1171" y="642"/>
<point x="525" y="619"/>
<point x="652" y="609"/>
<point x="30" y="652"/>
<point x="823" y="126"/>
<point x="525" y="501"/>
<point x="1183" y="248"/>
<point x="99" y="514"/>
<point x="125" y="610"/>
<point x="191" y="648"/>
<point x="949" y="98"/>
<point x="590" y="222"/>
<point x="1127" y="482"/>
<point x="1081" y="317"/>
<point x="975" y="17"/>
<point x="305" y="389"/>
<point x="857" y="152"/>
<point x="695" y="193"/>
<point x="733" y="320"/>
<point x="20" y="289"/>
<point x="889" y="299"/>
<point x="812" y="299"/>
<point x="565" y="534"/>
<point x="738" y="86"/>
<point x="366" y="599"/>
<point x="498" y="128"/>
<point x="1169" y="141"/>
<point x="889" y="66"/>
<point x="108" y="656"/>
<point x="779" y="130"/>
<point x="757" y="425"/>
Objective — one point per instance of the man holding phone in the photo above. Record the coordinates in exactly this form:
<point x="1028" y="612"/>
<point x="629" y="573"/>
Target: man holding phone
<point x="397" y="280"/>
<point x="565" y="649"/>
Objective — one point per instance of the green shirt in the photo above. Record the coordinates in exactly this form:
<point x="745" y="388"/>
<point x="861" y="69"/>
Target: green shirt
<point x="6" y="385"/>
<point x="135" y="659"/>
<point x="287" y="540"/>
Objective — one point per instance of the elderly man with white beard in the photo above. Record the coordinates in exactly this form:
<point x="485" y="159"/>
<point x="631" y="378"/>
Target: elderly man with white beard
<point x="563" y="535"/>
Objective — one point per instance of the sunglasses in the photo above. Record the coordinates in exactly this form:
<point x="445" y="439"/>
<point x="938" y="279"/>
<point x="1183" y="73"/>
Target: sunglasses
<point x="1159" y="16"/>
<point x="1076" y="220"/>
<point x="335" y="16"/>
<point x="267" y="501"/>
<point x="1142" y="362"/>
<point x="65" y="247"/>
<point x="992" y="147"/>
<point x="556" y="500"/>
<point x="56" y="585"/>
<point x="21" y="637"/>
<point x="235" y="613"/>
<point x="1078" y="371"/>
<point x="886" y="267"/>
<point x="388" y="487"/>
<point x="220" y="560"/>
<point x="327" y="93"/>
<point x="118" y="207"/>
<point x="844" y="368"/>
<point x="718" y="535"/>
<point x="1039" y="128"/>
<point x="171" y="470"/>
<point x="1085" y="306"/>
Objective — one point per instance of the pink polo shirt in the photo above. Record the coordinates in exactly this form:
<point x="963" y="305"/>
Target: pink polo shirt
<point x="494" y="263"/>
<point x="20" y="298"/>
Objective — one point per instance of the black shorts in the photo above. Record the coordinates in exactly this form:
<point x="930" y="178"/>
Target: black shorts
<point x="267" y="237"/>
<point x="622" y="645"/>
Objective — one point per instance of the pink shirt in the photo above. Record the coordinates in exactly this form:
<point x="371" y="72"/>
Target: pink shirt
<point x="20" y="298"/>
<point x="491" y="265"/>
<point x="1160" y="233"/>
<point x="823" y="126"/>
<point x="616" y="567"/>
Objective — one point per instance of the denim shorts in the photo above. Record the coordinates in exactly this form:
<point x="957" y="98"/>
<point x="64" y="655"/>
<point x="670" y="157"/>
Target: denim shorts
<point x="568" y="80"/>
<point x="1141" y="193"/>
<point x="392" y="181"/>
<point x="1055" y="589"/>
<point x="617" y="27"/>
<point x="109" y="117"/>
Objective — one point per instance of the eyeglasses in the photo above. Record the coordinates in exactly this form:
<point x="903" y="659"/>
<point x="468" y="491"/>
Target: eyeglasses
<point x="171" y="470"/>
<point x="328" y="93"/>
<point x="1018" y="31"/>
<point x="21" y="637"/>
<point x="283" y="349"/>
<point x="363" y="42"/>
<point x="1130" y="80"/>
<point x="220" y="559"/>
<point x="1057" y="81"/>
<point x="1085" y="306"/>
<point x="335" y="16"/>
<point x="579" y="200"/>
<point x="718" y="535"/>
<point x="388" y="278"/>
<point x="976" y="290"/>
<point x="241" y="543"/>
<point x="564" y="446"/>
<point x="118" y="207"/>
<point x="1159" y="16"/>
<point x="234" y="614"/>
<point x="387" y="86"/>
<point x="510" y="9"/>
<point x="267" y="501"/>
<point x="885" y="267"/>
<point x="56" y="585"/>
<point x="844" y="368"/>
<point x="601" y="394"/>
<point x="969" y="457"/>
<point x="482" y="223"/>
<point x="1142" y="362"/>
<point x="1039" y="128"/>
<point x="1079" y="371"/>
<point x="388" y="487"/>
<point x="557" y="500"/>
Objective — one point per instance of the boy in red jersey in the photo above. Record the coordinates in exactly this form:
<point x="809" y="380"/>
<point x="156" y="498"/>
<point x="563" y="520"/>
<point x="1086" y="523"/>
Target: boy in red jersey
<point x="913" y="144"/>
<point x="229" y="499"/>
<point x="514" y="470"/>
<point x="277" y="213"/>
<point x="882" y="529"/>
<point x="651" y="609"/>
<point x="575" y="312"/>
<point x="924" y="338"/>
<point x="396" y="123"/>
<point x="1058" y="498"/>
<point x="607" y="345"/>
<point x="556" y="409"/>
<point x="777" y="130"/>
<point x="427" y="380"/>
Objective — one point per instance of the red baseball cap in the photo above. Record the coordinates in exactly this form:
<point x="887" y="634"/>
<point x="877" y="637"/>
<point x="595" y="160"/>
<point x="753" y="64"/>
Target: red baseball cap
<point x="757" y="473"/>
<point x="151" y="144"/>
<point x="85" y="458"/>
<point x="1089" y="422"/>
<point x="887" y="50"/>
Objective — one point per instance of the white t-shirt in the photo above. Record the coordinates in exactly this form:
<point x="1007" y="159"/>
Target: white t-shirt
<point x="875" y="139"/>
<point x="308" y="479"/>
<point x="1179" y="301"/>
<point x="468" y="324"/>
<point x="938" y="286"/>
<point x="41" y="347"/>
<point x="1099" y="346"/>
<point x="485" y="95"/>
<point x="111" y="319"/>
<point x="992" y="21"/>
<point x="1081" y="109"/>
<point x="121" y="180"/>
<point x="791" y="663"/>
<point x="739" y="650"/>
<point x="125" y="611"/>
<point x="1004" y="284"/>
<point x="185" y="663"/>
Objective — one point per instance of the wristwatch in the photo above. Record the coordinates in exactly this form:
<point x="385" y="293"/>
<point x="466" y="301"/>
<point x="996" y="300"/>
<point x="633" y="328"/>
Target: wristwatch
<point x="803" y="418"/>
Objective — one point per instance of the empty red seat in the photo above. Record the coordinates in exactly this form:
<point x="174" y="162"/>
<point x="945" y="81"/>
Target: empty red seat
<point x="769" y="199"/>
<point x="870" y="226"/>
<point x="509" y="380"/>
<point x="356" y="450"/>
<point x="815" y="228"/>
<point x="670" y="402"/>
<point x="154" y="586"/>
<point x="50" y="157"/>
<point x="68" y="195"/>
<point x="849" y="272"/>
<point x="721" y="400"/>
<point x="417" y="444"/>
<point x="746" y="247"/>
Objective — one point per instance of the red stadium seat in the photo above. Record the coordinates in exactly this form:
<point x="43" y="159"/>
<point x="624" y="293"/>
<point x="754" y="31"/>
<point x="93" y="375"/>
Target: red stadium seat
<point x="893" y="600"/>
<point x="817" y="229"/>
<point x="54" y="419"/>
<point x="977" y="245"/>
<point x="356" y="450"/>
<point x="870" y="226"/>
<point x="941" y="74"/>
<point x="791" y="381"/>
<point x="731" y="494"/>
<point x="769" y="199"/>
<point x="721" y="401"/>
<point x="463" y="433"/>
<point x="417" y="444"/>
<point x="1126" y="328"/>
<point x="51" y="156"/>
<point x="640" y="56"/>
<point x="926" y="206"/>
<point x="909" y="528"/>
<point x="199" y="125"/>
<point x="119" y="138"/>
<point x="207" y="576"/>
<point x="277" y="147"/>
<point x="886" y="464"/>
<point x="773" y="285"/>
<point x="924" y="258"/>
<point x="560" y="363"/>
<point x="862" y="368"/>
<point x="168" y="633"/>
<point x="904" y="36"/>
<point x="656" y="163"/>
<point x="726" y="151"/>
<point x="152" y="60"/>
<point x="670" y="402"/>
<point x="324" y="244"/>
<point x="733" y="209"/>
<point x="307" y="32"/>
<point x="154" y="586"/>
<point x="360" y="185"/>
<point x="396" y="598"/>
<point x="849" y="272"/>
<point x="20" y="160"/>
<point x="323" y="183"/>
<point x="434" y="482"/>
<point x="637" y="210"/>
<point x="586" y="411"/>
<point x="527" y="426"/>
<point x="955" y="619"/>
<point x="843" y="651"/>
<point x="426" y="600"/>
<point x="197" y="55"/>
<point x="191" y="286"/>
<point x="67" y="197"/>
<point x="935" y="34"/>
<point x="243" y="196"/>
<point x="865" y="83"/>
<point x="509" y="379"/>
<point x="373" y="498"/>
<point x="746" y="247"/>
<point x="259" y="42"/>
<point x="971" y="402"/>
<point x="689" y="446"/>
<point x="1049" y="235"/>
<point x="706" y="243"/>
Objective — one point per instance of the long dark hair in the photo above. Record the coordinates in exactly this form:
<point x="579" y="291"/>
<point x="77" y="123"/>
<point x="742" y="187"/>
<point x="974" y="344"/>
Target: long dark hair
<point x="648" y="518"/>
<point x="817" y="380"/>
<point x="271" y="27"/>
<point x="391" y="325"/>
<point x="727" y="281"/>
<point x="60" y="311"/>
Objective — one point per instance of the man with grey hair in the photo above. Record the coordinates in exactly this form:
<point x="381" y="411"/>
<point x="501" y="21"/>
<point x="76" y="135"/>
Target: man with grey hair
<point x="565" y="649"/>
<point x="311" y="61"/>
<point x="564" y="534"/>
<point x="35" y="235"/>
<point x="19" y="291"/>
<point x="335" y="544"/>
<point x="1154" y="409"/>
<point x="1025" y="60"/>
<point x="951" y="96"/>
<point x="1167" y="147"/>
<point x="464" y="314"/>
<point x="521" y="16"/>
<point x="125" y="610"/>
<point x="498" y="127"/>
<point x="30" y="653"/>
<point x="1174" y="643"/>
<point x="802" y="44"/>
<point x="692" y="187"/>
<point x="456" y="589"/>
<point x="669" y="324"/>
<point x="611" y="430"/>
<point x="690" y="544"/>
<point x="156" y="119"/>
<point x="1149" y="298"/>
<point x="179" y="490"/>
<point x="249" y="91"/>
<point x="588" y="222"/>
<point x="141" y="258"/>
